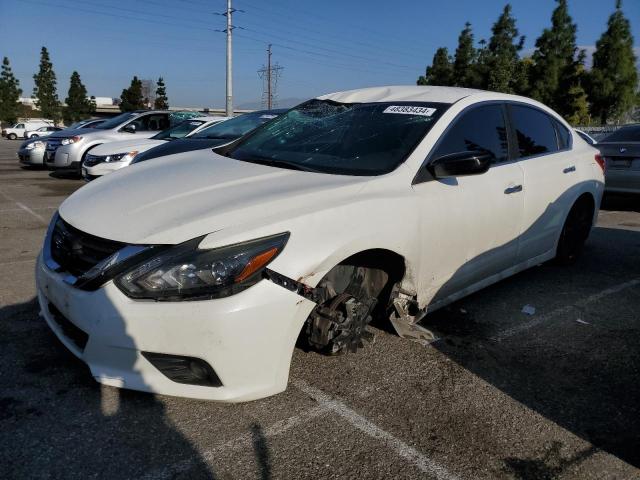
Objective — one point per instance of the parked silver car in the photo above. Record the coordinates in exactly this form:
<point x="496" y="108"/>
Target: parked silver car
<point x="31" y="152"/>
<point x="67" y="149"/>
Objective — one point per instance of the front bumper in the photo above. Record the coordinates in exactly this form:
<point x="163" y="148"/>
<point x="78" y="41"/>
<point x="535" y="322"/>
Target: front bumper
<point x="248" y="338"/>
<point x="31" y="157"/>
<point x="64" y="157"/>
<point x="102" y="168"/>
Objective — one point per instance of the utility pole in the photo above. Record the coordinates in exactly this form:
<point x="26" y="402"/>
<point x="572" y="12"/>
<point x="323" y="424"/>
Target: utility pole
<point x="229" y="104"/>
<point x="269" y="96"/>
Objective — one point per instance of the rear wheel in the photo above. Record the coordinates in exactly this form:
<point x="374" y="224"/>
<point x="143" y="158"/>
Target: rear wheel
<point x="575" y="232"/>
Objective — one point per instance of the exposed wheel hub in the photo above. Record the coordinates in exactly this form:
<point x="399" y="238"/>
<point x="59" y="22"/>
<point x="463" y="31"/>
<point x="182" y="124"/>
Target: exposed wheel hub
<point x="340" y="324"/>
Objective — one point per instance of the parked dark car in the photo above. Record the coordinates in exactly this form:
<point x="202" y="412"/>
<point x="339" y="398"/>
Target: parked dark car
<point x="621" y="151"/>
<point x="214" y="136"/>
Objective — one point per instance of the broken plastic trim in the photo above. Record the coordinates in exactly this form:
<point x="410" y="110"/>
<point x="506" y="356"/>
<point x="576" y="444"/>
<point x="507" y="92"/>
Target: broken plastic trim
<point x="300" y="288"/>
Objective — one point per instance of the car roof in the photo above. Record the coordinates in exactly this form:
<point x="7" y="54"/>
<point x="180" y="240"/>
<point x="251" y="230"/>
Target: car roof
<point x="415" y="93"/>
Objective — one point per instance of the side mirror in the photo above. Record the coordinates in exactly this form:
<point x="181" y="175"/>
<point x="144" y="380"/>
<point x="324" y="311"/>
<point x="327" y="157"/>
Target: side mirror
<point x="130" y="128"/>
<point x="458" y="164"/>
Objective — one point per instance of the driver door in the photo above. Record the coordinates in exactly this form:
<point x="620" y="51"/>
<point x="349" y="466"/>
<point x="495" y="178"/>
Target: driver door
<point x="471" y="224"/>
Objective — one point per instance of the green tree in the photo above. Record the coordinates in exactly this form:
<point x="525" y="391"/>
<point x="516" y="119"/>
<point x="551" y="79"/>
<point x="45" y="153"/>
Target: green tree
<point x="440" y="72"/>
<point x="557" y="74"/>
<point x="502" y="58"/>
<point x="614" y="77"/>
<point x="132" y="98"/>
<point x="481" y="66"/>
<point x="44" y="91"/>
<point x="9" y="94"/>
<point x="79" y="106"/>
<point x="465" y="73"/>
<point x="162" y="101"/>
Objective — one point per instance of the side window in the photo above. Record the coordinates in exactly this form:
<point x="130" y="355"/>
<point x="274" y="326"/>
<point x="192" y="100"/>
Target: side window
<point x="482" y="128"/>
<point x="152" y="123"/>
<point x="20" y="125"/>
<point x="535" y="132"/>
<point x="564" y="136"/>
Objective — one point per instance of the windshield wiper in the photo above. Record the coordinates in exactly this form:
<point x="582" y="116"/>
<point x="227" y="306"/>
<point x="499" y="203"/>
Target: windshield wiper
<point x="272" y="162"/>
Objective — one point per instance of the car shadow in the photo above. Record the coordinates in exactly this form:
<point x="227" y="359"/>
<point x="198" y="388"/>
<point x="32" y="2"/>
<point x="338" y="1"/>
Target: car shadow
<point x="581" y="376"/>
<point x="56" y="421"/>
<point x="65" y="174"/>
<point x="620" y="202"/>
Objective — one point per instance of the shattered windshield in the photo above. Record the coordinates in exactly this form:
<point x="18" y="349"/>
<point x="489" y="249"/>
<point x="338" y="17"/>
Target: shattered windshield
<point x="340" y="138"/>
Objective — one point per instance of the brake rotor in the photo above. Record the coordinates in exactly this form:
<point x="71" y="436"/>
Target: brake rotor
<point x="340" y="325"/>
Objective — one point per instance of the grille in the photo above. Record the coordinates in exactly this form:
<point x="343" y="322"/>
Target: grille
<point x="51" y="147"/>
<point x="91" y="160"/>
<point x="77" y="252"/>
<point x="78" y="336"/>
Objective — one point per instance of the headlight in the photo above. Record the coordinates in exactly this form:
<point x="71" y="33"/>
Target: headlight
<point x="186" y="272"/>
<point x="70" y="140"/>
<point x="119" y="157"/>
<point x="34" y="145"/>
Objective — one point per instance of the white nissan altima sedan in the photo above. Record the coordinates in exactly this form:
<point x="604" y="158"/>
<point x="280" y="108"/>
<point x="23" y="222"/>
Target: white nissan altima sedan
<point x="194" y="275"/>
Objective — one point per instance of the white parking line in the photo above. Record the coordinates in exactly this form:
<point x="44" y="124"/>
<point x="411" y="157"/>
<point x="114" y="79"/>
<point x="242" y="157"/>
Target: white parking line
<point x="24" y="207"/>
<point x="241" y="442"/>
<point x="413" y="456"/>
<point x="565" y="310"/>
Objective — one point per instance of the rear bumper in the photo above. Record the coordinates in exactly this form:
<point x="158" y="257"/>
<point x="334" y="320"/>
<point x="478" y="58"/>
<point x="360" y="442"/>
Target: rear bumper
<point x="622" y="181"/>
<point x="247" y="339"/>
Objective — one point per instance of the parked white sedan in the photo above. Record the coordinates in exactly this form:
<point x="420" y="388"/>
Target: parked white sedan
<point x="194" y="275"/>
<point x="111" y="156"/>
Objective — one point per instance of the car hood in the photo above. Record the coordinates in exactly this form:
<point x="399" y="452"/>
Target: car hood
<point x="184" y="196"/>
<point x="123" y="146"/>
<point x="68" y="132"/>
<point x="183" y="145"/>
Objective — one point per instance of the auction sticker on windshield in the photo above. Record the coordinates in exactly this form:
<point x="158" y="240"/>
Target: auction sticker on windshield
<point x="410" y="110"/>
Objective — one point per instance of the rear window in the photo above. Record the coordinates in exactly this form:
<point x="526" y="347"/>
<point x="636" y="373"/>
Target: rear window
<point x="624" y="134"/>
<point x="535" y="132"/>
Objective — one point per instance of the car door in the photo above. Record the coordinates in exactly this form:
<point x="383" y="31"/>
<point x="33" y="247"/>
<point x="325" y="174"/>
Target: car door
<point x="544" y="151"/>
<point x="471" y="223"/>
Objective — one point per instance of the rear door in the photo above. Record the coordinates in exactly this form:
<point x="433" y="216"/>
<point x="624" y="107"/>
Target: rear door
<point x="550" y="170"/>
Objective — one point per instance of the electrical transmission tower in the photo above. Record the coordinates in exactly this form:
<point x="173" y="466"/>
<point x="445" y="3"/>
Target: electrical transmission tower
<point x="269" y="75"/>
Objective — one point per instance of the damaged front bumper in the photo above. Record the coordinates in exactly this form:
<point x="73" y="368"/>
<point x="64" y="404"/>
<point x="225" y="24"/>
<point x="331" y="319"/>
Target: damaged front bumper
<point x="247" y="339"/>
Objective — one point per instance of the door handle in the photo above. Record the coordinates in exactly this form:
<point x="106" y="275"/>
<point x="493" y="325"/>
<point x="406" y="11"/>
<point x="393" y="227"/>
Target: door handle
<point x="514" y="189"/>
<point x="570" y="169"/>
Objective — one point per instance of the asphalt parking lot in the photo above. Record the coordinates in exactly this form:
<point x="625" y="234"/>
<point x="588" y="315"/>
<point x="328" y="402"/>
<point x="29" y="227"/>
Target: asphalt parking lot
<point x="501" y="394"/>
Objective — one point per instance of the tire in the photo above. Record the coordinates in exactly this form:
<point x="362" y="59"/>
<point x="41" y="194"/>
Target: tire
<point x="12" y="136"/>
<point x="575" y="232"/>
<point x="33" y="136"/>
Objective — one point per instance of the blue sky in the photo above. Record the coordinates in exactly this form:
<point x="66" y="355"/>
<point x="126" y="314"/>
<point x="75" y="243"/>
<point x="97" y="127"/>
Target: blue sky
<point x="323" y="46"/>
